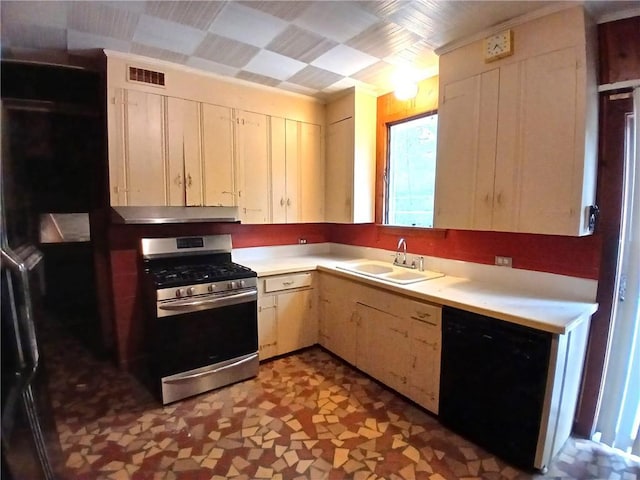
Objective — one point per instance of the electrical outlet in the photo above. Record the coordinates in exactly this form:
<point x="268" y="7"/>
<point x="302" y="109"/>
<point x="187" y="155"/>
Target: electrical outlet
<point x="503" y="261"/>
<point x="302" y="241"/>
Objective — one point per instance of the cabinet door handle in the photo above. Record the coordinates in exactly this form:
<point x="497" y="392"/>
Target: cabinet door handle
<point x="189" y="180"/>
<point x="178" y="180"/>
<point x="434" y="324"/>
<point x="282" y="202"/>
<point x="288" y="202"/>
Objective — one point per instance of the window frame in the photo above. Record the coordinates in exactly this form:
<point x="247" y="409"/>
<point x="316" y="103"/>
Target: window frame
<point x="387" y="166"/>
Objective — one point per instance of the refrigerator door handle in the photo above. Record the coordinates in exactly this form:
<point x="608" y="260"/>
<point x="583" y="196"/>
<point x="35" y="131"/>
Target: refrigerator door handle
<point x="26" y="322"/>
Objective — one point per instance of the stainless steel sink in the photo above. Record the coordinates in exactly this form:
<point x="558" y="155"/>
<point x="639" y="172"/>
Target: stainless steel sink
<point x="389" y="273"/>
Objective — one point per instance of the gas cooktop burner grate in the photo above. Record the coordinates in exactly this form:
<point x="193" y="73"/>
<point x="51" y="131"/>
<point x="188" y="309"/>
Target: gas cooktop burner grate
<point x="189" y="274"/>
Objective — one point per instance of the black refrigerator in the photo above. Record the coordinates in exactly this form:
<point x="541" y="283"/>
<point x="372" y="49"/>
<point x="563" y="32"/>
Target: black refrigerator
<point x="30" y="445"/>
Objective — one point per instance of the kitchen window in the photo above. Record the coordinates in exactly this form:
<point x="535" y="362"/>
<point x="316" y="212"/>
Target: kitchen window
<point x="411" y="171"/>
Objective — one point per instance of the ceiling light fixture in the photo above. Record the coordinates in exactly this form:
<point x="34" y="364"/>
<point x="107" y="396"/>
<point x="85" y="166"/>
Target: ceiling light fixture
<point x="406" y="90"/>
<point x="406" y="83"/>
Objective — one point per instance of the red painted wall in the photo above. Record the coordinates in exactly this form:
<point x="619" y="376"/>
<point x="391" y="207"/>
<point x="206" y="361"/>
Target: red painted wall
<point x="573" y="256"/>
<point x="577" y="257"/>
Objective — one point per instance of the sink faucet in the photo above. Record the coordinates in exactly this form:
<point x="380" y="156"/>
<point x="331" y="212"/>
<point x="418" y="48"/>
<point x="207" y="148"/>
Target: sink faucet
<point x="402" y="243"/>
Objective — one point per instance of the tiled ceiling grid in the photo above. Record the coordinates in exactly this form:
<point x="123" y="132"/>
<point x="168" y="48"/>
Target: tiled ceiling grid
<point x="310" y="47"/>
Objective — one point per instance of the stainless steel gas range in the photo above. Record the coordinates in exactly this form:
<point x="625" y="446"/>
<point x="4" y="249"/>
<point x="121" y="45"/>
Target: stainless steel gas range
<point x="202" y="328"/>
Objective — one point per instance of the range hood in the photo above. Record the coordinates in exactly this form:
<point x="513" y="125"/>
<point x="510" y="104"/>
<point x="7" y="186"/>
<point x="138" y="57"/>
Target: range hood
<point x="161" y="215"/>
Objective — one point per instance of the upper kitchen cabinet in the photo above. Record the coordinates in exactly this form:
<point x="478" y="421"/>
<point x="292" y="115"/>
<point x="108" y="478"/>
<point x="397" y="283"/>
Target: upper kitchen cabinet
<point x="297" y="171"/>
<point x="517" y="137"/>
<point x="351" y="159"/>
<point x="252" y="147"/>
<point x="137" y="154"/>
<point x="184" y="153"/>
<point x="217" y="156"/>
<point x="181" y="137"/>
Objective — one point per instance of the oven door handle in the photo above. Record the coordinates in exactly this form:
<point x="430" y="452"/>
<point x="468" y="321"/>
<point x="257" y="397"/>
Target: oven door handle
<point x="215" y="302"/>
<point x="212" y="371"/>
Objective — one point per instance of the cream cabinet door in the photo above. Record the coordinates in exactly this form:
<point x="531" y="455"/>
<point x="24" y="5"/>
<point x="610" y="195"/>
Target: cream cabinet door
<point x="424" y="372"/>
<point x="552" y="158"/>
<point x="393" y="356"/>
<point x="137" y="157"/>
<point x="267" y="327"/>
<point x="184" y="154"/>
<point x="337" y="317"/>
<point x="297" y="171"/>
<point x="292" y="172"/>
<point x="297" y="324"/>
<point x="218" y="159"/>
<point x="278" y="169"/>
<point x="339" y="172"/>
<point x="116" y="147"/>
<point x="467" y="126"/>
<point x="252" y="148"/>
<point x="311" y="167"/>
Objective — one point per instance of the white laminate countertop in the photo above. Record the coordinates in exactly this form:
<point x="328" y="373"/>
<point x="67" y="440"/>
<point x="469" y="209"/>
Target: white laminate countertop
<point x="508" y="303"/>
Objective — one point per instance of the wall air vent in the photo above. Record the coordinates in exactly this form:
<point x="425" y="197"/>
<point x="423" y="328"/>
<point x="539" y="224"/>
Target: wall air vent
<point x="146" y="76"/>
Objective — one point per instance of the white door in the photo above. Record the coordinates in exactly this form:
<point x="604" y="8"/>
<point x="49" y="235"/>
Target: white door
<point x="618" y="419"/>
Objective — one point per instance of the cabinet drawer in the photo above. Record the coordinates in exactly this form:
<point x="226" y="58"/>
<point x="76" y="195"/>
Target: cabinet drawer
<point x="423" y="312"/>
<point x="287" y="282"/>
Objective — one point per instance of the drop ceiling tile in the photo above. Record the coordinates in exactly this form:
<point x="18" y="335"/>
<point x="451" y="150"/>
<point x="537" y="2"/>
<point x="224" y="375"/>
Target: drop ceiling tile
<point x="300" y="44"/>
<point x="378" y="73"/>
<point x="195" y="14"/>
<point x="344" y="60"/>
<point x="50" y="14"/>
<point x="340" y="85"/>
<point x="225" y="50"/>
<point x="159" y="53"/>
<point x="338" y="21"/>
<point x="82" y="40"/>
<point x="159" y="33"/>
<point x="247" y="25"/>
<point x="419" y="55"/>
<point x="420" y="17"/>
<point x="98" y="19"/>
<point x="256" y="78"/>
<point x="314" y="77"/>
<point x="383" y="8"/>
<point x="294" y="87"/>
<point x="213" y="67"/>
<point x="383" y="39"/>
<point x="274" y="65"/>
<point x="34" y="37"/>
<point x="286" y="10"/>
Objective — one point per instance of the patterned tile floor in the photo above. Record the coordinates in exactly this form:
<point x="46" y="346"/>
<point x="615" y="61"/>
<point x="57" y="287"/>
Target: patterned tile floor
<point x="306" y="416"/>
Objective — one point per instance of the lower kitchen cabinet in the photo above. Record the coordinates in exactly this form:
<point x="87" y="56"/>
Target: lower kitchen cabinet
<point x="287" y="317"/>
<point x="423" y="379"/>
<point x="394" y="339"/>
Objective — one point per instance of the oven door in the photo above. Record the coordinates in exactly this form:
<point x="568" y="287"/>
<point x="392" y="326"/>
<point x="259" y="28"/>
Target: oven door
<point x="195" y="335"/>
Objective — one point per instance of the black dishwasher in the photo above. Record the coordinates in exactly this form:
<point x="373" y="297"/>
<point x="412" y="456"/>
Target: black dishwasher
<point x="492" y="383"/>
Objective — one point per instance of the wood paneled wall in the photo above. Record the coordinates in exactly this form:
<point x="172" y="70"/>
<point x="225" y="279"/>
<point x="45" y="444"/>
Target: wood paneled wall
<point x="619" y="44"/>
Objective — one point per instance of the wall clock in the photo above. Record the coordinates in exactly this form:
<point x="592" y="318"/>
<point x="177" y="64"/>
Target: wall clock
<point x="498" y="46"/>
